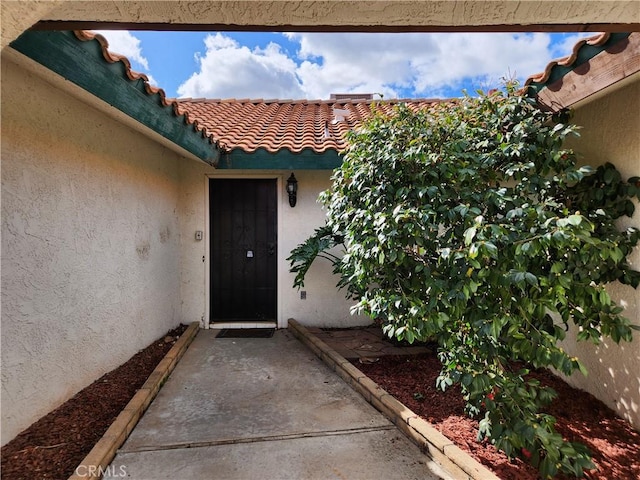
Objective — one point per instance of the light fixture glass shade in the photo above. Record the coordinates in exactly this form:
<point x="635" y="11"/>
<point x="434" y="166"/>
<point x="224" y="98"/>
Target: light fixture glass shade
<point x="292" y="189"/>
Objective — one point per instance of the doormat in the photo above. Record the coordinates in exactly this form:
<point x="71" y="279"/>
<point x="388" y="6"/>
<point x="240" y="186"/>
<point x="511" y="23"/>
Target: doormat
<point x="246" y="333"/>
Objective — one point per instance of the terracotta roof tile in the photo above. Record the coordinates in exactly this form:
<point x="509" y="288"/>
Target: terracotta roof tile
<point x="542" y="77"/>
<point x="111" y="57"/>
<point x="274" y="125"/>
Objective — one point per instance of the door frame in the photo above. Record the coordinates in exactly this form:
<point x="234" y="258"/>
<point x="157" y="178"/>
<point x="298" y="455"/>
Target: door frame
<point x="280" y="323"/>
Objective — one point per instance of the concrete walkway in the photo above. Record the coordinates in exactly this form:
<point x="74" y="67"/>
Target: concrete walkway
<point x="242" y="408"/>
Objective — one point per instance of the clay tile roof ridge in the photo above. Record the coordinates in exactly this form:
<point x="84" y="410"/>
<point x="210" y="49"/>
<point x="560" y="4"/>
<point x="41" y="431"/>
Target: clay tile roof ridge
<point x="566" y="61"/>
<point x="111" y="57"/>
<point x="194" y="100"/>
<point x="87" y="36"/>
<point x="275" y="101"/>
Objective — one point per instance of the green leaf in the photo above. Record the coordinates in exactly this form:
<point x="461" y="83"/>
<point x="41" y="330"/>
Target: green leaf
<point x="604" y="297"/>
<point x="491" y="249"/>
<point x="581" y="367"/>
<point x="469" y="234"/>
<point x="409" y="336"/>
<point x="575" y="219"/>
<point x="616" y="254"/>
<point x="531" y="279"/>
<point x="565" y="281"/>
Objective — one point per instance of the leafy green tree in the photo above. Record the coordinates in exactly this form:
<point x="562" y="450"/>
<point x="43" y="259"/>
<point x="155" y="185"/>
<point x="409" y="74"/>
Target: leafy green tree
<point x="471" y="224"/>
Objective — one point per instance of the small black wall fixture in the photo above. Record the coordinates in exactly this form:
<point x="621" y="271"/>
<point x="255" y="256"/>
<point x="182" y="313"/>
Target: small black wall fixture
<point x="292" y="190"/>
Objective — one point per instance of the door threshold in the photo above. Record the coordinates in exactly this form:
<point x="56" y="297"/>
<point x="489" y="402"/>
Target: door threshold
<point x="221" y="325"/>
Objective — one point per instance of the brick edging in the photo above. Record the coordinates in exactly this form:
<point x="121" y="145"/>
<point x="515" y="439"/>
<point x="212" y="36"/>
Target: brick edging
<point x="103" y="452"/>
<point x="456" y="461"/>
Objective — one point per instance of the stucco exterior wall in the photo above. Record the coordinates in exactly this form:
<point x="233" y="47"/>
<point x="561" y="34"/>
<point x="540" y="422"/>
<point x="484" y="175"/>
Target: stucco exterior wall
<point x="324" y="305"/>
<point x="346" y="14"/>
<point x="611" y="132"/>
<point x="90" y="245"/>
<point x="17" y="16"/>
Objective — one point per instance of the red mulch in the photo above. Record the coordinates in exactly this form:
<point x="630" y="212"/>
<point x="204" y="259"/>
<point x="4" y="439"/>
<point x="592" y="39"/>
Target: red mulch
<point x="615" y="446"/>
<point x="56" y="444"/>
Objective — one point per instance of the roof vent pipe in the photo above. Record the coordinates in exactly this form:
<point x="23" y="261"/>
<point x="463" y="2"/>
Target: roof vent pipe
<point x="339" y="115"/>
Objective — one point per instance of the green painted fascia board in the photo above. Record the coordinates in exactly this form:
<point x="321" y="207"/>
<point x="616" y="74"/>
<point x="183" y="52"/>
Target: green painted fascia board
<point x="282" y="160"/>
<point x="585" y="53"/>
<point x="82" y="63"/>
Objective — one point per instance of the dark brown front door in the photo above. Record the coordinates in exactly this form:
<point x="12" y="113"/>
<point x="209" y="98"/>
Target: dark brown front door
<point x="243" y="249"/>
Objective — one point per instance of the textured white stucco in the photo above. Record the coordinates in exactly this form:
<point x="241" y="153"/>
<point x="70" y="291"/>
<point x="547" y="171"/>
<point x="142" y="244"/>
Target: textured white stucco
<point x="193" y="217"/>
<point x="90" y="245"/>
<point x="611" y="132"/>
<point x="17" y="16"/>
<point x="324" y="306"/>
<point x="351" y="12"/>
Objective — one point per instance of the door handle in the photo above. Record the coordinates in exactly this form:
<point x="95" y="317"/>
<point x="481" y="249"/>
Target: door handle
<point x="271" y="248"/>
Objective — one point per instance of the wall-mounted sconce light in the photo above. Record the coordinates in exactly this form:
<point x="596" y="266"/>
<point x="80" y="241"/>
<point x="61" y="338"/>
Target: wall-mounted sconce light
<point x="292" y="190"/>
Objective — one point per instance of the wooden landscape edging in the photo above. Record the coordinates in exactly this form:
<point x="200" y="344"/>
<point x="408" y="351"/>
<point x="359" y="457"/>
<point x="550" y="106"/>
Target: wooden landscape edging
<point x="98" y="459"/>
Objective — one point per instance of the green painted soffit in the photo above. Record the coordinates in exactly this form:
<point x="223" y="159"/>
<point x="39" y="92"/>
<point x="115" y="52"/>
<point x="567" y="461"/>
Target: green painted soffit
<point x="82" y="63"/>
<point x="282" y="160"/>
<point x="585" y="53"/>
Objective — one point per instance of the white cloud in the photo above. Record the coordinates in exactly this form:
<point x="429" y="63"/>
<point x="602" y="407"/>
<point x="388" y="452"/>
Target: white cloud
<point x="229" y="70"/>
<point x="124" y="43"/>
<point x="426" y="64"/>
<point x="357" y="62"/>
<point x="393" y="64"/>
<point x="481" y="58"/>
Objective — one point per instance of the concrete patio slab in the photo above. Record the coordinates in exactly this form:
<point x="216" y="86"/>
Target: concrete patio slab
<point x="264" y="408"/>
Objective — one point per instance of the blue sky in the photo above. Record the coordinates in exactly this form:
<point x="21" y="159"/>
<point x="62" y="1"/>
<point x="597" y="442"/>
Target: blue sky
<point x="314" y="65"/>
